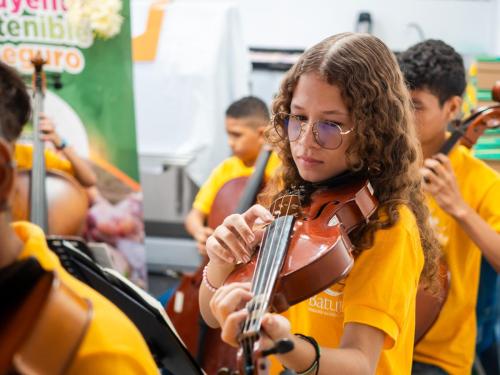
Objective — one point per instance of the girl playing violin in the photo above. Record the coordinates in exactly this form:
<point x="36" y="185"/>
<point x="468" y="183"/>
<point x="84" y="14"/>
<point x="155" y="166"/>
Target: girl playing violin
<point x="342" y="109"/>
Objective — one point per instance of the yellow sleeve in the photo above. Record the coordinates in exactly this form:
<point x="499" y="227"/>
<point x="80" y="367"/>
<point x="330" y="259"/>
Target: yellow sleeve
<point x="381" y="289"/>
<point x="206" y="195"/>
<point x="54" y="161"/>
<point x="489" y="207"/>
<point x="109" y="362"/>
<point x="23" y="155"/>
<point x="112" y="343"/>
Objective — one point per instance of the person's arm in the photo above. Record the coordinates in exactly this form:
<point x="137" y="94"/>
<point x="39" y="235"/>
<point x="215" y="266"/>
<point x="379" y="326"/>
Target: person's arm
<point x="195" y="225"/>
<point x="83" y="172"/>
<point x="481" y="234"/>
<point x="441" y="183"/>
<point x="223" y="306"/>
<point x="233" y="241"/>
<point x="358" y="353"/>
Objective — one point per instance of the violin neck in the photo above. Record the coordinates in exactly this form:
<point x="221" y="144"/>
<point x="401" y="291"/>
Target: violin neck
<point x="38" y="193"/>
<point x="451" y="141"/>
<point x="269" y="264"/>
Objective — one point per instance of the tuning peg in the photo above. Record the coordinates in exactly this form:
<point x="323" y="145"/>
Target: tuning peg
<point x="56" y="81"/>
<point x="495" y="92"/>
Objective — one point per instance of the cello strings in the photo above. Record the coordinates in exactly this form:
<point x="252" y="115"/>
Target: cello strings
<point x="38" y="163"/>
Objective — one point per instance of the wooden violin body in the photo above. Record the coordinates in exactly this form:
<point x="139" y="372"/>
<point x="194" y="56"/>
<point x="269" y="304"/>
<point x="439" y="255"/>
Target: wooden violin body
<point x="303" y="251"/>
<point x="429" y="304"/>
<point x="34" y="338"/>
<point x="67" y="201"/>
<point x="319" y="249"/>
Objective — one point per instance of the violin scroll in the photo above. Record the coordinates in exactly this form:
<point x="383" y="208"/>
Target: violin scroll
<point x="495" y="91"/>
<point x="39" y="77"/>
<point x="481" y="120"/>
<point x="468" y="131"/>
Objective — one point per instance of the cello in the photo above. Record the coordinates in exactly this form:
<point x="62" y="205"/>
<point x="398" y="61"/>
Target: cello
<point x="51" y="199"/>
<point x="237" y="195"/>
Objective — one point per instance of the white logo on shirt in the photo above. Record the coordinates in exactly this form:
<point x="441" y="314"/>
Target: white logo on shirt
<point x="439" y="230"/>
<point x="330" y="302"/>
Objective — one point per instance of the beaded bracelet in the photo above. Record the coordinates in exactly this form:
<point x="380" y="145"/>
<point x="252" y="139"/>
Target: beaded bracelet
<point x="207" y="283"/>
<point x="314" y="368"/>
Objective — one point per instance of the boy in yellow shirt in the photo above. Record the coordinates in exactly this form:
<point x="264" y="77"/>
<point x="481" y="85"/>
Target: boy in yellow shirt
<point x="464" y="199"/>
<point x="112" y="344"/>
<point x="246" y="120"/>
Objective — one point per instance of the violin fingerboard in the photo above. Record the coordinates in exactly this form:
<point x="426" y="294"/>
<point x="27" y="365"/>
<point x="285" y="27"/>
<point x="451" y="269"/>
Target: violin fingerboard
<point x="269" y="263"/>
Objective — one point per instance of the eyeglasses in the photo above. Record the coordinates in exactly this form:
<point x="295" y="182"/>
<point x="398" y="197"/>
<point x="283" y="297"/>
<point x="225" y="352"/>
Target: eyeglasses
<point x="327" y="134"/>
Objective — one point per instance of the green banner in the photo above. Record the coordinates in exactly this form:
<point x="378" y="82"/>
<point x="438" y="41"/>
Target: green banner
<point x="87" y="48"/>
<point x="96" y="74"/>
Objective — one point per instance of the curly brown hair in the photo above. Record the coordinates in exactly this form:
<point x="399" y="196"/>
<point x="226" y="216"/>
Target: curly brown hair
<point x="386" y="147"/>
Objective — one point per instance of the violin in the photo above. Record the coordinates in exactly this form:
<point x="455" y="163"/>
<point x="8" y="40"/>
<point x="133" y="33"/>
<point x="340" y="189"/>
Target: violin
<point x="51" y="199"/>
<point x="203" y="342"/>
<point x="295" y="250"/>
<point x="470" y="129"/>
<point x="33" y="337"/>
<point x="467" y="132"/>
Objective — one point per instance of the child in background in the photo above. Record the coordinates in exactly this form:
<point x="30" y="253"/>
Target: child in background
<point x="246" y="120"/>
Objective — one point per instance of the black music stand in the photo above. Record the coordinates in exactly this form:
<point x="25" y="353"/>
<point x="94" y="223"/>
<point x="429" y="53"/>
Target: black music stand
<point x="167" y="349"/>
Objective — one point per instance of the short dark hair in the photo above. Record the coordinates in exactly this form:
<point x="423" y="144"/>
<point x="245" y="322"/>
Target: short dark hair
<point x="436" y="66"/>
<point x="249" y="106"/>
<point x="15" y="104"/>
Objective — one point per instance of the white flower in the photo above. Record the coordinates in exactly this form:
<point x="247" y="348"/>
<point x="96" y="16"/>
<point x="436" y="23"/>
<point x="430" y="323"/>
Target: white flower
<point x="102" y="16"/>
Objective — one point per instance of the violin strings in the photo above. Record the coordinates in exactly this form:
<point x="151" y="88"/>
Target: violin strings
<point x="272" y="280"/>
<point x="255" y="277"/>
<point x="264" y="257"/>
<point x="277" y="257"/>
<point x="262" y="286"/>
<point x="256" y="281"/>
<point x="259" y="276"/>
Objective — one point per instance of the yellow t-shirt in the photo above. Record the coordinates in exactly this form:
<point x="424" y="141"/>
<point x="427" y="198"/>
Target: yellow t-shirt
<point x="112" y="344"/>
<point x="23" y="155"/>
<point x="229" y="169"/>
<point x="380" y="292"/>
<point x="450" y="342"/>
